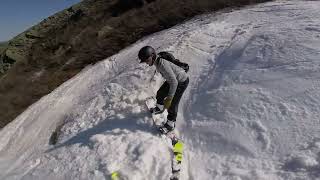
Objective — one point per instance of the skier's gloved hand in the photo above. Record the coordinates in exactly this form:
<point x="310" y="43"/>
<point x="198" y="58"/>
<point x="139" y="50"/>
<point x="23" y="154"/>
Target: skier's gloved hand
<point x="167" y="102"/>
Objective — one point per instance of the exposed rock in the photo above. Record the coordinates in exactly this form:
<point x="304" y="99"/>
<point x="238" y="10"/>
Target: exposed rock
<point x="105" y="31"/>
<point x="3" y="47"/>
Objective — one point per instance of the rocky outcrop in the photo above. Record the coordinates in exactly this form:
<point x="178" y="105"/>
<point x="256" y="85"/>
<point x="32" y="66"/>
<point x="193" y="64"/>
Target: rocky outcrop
<point x="3" y="46"/>
<point x="20" y="47"/>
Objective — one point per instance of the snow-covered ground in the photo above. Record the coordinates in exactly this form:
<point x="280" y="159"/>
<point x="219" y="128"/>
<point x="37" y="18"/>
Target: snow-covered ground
<point x="251" y="110"/>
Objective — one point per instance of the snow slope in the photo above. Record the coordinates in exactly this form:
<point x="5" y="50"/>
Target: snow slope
<point x="251" y="110"/>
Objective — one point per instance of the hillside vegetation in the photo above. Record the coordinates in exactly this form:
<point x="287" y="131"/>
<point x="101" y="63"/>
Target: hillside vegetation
<point x="50" y="53"/>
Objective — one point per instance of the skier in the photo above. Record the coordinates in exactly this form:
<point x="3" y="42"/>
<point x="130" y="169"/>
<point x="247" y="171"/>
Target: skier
<point x="169" y="94"/>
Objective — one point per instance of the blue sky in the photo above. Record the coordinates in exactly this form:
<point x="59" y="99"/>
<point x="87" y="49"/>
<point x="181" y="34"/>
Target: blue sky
<point x="18" y="15"/>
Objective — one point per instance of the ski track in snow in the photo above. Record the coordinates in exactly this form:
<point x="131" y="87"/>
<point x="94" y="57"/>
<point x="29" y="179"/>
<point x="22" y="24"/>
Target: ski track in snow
<point x="251" y="110"/>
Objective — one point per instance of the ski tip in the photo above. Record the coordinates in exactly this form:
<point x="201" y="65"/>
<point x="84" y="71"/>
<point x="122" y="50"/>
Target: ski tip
<point x="115" y="176"/>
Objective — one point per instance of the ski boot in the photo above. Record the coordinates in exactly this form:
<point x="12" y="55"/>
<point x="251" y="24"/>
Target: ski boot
<point x="157" y="110"/>
<point x="167" y="127"/>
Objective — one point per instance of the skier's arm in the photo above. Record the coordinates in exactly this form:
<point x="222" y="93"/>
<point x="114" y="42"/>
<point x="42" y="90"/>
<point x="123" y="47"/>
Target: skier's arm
<point x="170" y="77"/>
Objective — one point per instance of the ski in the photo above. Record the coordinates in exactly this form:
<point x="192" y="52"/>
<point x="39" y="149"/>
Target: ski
<point x="177" y="158"/>
<point x="177" y="144"/>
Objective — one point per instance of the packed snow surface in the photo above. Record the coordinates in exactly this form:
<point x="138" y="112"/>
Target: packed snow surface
<point x="251" y="111"/>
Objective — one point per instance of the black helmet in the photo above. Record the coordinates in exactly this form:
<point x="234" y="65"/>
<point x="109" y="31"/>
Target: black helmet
<point x="145" y="53"/>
